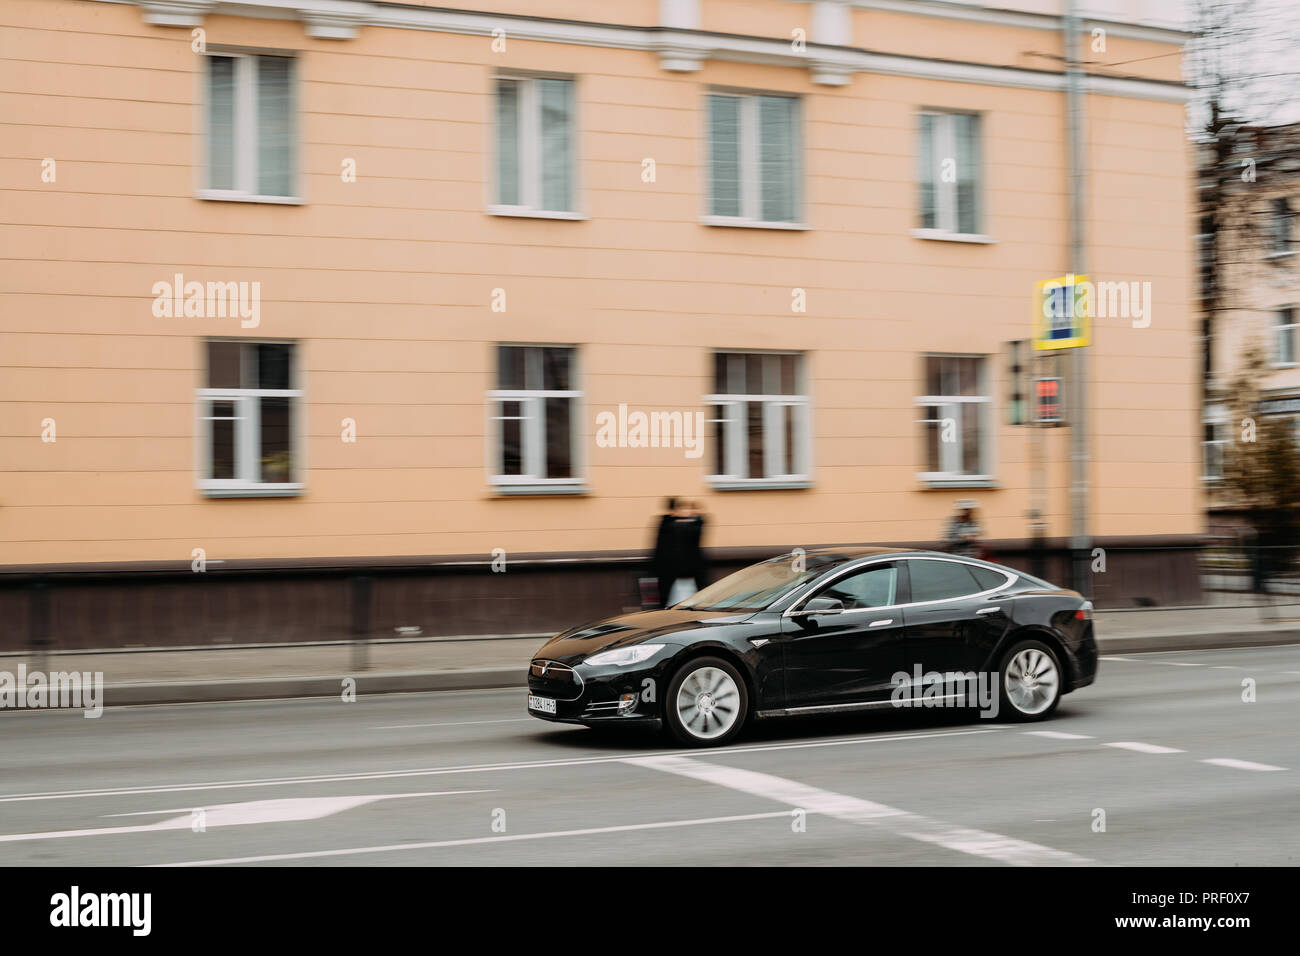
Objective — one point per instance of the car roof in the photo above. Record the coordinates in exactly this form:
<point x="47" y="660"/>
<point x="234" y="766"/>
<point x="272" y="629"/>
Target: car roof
<point x="855" y="552"/>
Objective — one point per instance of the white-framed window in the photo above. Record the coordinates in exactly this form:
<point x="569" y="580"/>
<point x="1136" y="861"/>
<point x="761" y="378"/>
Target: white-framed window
<point x="1281" y="226"/>
<point x="1213" y="449"/>
<point x="535" y="146"/>
<point x="1284" y="336"/>
<point x="760" y="416"/>
<point x="755" y="159"/>
<point x="956" y="424"/>
<point x="534" y="411"/>
<point x="248" y="419"/>
<point x="951" y="173"/>
<point x="250" y="135"/>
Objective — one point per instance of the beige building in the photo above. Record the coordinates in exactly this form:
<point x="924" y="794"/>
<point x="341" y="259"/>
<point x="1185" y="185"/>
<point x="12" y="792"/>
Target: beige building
<point x="349" y="282"/>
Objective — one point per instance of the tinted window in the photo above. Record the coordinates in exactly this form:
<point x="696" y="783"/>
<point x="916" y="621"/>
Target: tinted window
<point x="987" y="577"/>
<point x="941" y="580"/>
<point x="877" y="586"/>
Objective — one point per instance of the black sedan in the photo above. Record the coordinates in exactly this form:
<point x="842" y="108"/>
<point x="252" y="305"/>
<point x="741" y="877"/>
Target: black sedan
<point x="822" y="631"/>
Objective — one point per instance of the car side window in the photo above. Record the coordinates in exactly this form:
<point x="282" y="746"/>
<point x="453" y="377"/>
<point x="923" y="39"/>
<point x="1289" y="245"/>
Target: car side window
<point x="874" y="586"/>
<point x="987" y="577"/>
<point x="941" y="580"/>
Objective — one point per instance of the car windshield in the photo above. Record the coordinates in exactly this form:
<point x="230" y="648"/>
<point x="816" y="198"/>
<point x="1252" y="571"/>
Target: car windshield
<point x="755" y="587"/>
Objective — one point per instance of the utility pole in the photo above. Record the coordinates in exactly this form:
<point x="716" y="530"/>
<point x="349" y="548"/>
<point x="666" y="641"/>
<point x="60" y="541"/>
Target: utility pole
<point x="1080" y="544"/>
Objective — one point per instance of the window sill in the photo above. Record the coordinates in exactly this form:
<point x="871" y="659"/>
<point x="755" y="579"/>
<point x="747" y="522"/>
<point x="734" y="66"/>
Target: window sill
<point x="539" y="488"/>
<point x="222" y="195"/>
<point x="939" y="482"/>
<point x="1285" y="365"/>
<point x="942" y="235"/>
<point x="739" y="223"/>
<point x="523" y="212"/>
<point x="253" y="491"/>
<point x="759" y="484"/>
<point x="1280" y="255"/>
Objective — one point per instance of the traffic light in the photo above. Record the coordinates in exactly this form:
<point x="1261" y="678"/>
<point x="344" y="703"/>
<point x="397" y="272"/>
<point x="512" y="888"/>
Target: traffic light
<point x="1019" y="361"/>
<point x="1047" y="400"/>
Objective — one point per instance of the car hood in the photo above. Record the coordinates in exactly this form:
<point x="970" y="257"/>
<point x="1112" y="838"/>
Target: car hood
<point x="669" y="626"/>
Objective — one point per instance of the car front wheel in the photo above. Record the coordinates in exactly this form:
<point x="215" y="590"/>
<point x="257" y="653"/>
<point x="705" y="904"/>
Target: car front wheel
<point x="706" y="703"/>
<point x="1031" y="680"/>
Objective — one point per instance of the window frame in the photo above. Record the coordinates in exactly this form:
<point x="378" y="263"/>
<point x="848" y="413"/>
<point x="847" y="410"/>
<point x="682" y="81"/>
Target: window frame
<point x="736" y="433"/>
<point x="801" y="598"/>
<point x="947" y="214"/>
<point x="1280" y="328"/>
<point x="530" y="169"/>
<point x="247" y="437"/>
<point x="532" y="438"/>
<point x="245" y="120"/>
<point x="1215" y="425"/>
<point x="749" y="161"/>
<point x="1282" y="228"/>
<point x="986" y="450"/>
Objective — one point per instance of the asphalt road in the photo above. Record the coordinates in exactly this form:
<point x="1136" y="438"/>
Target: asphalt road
<point x="1184" y="770"/>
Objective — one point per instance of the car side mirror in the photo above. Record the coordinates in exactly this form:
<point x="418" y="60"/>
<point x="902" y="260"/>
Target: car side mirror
<point x="823" y="605"/>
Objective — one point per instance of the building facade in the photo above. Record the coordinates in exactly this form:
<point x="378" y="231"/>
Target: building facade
<point x="323" y="286"/>
<point x="1252" y="276"/>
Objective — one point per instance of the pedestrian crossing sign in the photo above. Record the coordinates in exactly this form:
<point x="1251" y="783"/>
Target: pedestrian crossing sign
<point x="1062" y="309"/>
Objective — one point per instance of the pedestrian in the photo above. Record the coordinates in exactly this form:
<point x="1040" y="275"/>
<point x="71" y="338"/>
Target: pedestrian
<point x="964" y="531"/>
<point x="688" y="526"/>
<point x="664" y="563"/>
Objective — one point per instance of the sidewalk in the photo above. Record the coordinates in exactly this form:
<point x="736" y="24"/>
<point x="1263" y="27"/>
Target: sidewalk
<point x="319" y="670"/>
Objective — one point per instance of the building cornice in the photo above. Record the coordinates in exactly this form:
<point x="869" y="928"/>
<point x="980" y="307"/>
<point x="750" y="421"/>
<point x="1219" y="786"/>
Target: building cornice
<point x="679" y="48"/>
<point x="1024" y="19"/>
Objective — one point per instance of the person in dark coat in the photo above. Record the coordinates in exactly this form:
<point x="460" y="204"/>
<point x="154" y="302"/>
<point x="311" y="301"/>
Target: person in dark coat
<point x="665" y="562"/>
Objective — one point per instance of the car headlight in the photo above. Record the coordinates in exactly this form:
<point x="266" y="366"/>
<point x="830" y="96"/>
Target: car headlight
<point x="621" y="657"/>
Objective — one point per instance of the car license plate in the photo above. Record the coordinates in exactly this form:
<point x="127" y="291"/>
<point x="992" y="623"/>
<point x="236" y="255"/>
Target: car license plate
<point x="545" y="704"/>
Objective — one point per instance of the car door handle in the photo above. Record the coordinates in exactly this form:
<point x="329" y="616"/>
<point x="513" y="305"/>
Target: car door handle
<point x="888" y="620"/>
<point x="988" y="610"/>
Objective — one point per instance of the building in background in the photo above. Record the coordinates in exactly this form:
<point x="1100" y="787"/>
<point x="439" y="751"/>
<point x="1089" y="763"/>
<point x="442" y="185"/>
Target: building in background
<point x="1253" y="281"/>
<point x="335" y="317"/>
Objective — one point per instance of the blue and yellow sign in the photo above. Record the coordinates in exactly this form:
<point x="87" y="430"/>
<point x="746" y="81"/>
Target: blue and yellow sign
<point x="1062" y="310"/>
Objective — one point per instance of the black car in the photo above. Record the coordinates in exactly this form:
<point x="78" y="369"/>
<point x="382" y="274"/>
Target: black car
<point x="827" y="630"/>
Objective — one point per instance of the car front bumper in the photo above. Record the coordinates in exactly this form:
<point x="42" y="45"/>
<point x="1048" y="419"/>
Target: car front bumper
<point x="601" y="696"/>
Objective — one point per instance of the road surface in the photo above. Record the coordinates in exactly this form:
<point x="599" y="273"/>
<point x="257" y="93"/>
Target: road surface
<point x="1162" y="749"/>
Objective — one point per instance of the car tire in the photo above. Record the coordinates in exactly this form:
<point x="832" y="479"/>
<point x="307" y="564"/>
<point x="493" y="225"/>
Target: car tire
<point x="707" y="703"/>
<point x="1030" y="680"/>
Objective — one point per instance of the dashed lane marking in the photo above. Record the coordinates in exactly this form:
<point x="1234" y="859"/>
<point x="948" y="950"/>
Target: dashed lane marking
<point x="1241" y="764"/>
<point x="1144" y="748"/>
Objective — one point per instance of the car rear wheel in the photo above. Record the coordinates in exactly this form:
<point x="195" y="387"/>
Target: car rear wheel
<point x="1031" y="680"/>
<point x="706" y="703"/>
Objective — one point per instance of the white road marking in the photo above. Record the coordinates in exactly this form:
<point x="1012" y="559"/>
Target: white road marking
<point x="1107" y="657"/>
<point x="1241" y="764"/>
<point x="1057" y="735"/>
<point x="1145" y="748"/>
<point x="514" y="837"/>
<point x="457" y="723"/>
<point x="464" y="768"/>
<point x="1180" y="663"/>
<point x="980" y="843"/>
<point x="292" y="809"/>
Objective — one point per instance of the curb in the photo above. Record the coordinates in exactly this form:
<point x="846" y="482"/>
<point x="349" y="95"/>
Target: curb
<point x="490" y="678"/>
